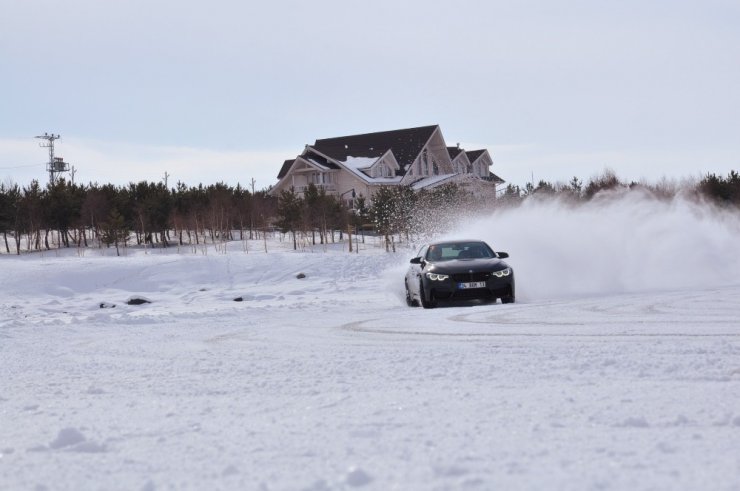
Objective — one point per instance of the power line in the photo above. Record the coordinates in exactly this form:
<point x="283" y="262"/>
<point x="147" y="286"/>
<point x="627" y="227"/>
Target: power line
<point x="20" y="166"/>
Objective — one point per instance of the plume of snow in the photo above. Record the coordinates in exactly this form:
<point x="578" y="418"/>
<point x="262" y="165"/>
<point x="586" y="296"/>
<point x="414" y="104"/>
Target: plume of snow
<point x="620" y="242"/>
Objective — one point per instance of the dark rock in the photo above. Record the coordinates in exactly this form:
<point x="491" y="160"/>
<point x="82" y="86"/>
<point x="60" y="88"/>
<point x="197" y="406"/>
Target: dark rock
<point x="300" y="276"/>
<point x="238" y="299"/>
<point x="138" y="301"/>
<point x="106" y="305"/>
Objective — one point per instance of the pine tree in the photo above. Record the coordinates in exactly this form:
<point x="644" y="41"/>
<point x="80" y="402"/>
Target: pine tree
<point x="289" y="213"/>
<point x="115" y="230"/>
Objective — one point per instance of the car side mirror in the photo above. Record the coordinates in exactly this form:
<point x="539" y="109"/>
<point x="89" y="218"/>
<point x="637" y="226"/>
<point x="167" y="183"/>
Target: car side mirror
<point x="502" y="255"/>
<point x="416" y="260"/>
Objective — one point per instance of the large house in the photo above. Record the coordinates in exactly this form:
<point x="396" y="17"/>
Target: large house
<point x="358" y="165"/>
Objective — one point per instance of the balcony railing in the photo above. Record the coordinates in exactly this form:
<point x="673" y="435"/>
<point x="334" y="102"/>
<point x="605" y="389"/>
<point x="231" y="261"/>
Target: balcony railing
<point x="326" y="187"/>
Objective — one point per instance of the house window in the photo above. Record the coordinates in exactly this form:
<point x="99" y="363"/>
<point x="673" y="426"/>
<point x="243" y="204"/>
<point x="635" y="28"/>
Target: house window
<point x="319" y="178"/>
<point x="435" y="167"/>
<point x="424" y="163"/>
<point x="382" y="170"/>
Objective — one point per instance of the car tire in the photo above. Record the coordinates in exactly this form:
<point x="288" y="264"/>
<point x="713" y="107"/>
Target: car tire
<point x="427" y="304"/>
<point x="507" y="299"/>
<point x="409" y="301"/>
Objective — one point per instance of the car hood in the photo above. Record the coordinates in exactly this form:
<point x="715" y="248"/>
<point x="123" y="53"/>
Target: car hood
<point x="465" y="265"/>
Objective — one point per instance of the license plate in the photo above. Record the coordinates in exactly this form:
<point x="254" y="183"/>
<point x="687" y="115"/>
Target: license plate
<point x="474" y="284"/>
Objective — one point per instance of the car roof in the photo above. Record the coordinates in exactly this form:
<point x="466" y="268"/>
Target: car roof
<point x="447" y="242"/>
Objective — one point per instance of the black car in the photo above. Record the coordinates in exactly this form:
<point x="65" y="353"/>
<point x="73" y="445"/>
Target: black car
<point x="458" y="270"/>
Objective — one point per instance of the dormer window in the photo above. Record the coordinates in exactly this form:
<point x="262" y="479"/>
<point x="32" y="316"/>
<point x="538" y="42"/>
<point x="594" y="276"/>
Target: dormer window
<point x="382" y="170"/>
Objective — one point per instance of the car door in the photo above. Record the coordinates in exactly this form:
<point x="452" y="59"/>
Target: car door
<point x="415" y="272"/>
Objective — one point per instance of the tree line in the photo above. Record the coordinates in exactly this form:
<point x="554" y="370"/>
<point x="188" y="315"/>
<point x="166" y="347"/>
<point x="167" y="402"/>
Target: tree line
<point x="723" y="191"/>
<point x="65" y="214"/>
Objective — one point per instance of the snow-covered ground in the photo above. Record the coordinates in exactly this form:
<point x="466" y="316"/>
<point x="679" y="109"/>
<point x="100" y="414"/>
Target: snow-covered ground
<point x="618" y="367"/>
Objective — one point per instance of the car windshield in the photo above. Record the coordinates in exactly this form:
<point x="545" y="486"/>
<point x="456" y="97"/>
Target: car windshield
<point x="459" y="250"/>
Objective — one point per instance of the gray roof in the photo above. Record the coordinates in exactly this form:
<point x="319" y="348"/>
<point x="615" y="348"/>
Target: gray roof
<point x="285" y="168"/>
<point x="454" y="152"/>
<point x="311" y="157"/>
<point x="474" y="155"/>
<point x="406" y="144"/>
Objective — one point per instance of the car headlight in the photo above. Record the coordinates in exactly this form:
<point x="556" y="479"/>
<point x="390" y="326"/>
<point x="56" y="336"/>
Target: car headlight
<point x="502" y="273"/>
<point x="437" y="277"/>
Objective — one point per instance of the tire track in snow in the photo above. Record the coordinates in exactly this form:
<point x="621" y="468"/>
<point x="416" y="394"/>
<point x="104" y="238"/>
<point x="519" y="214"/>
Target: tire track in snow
<point x="650" y="315"/>
<point x="508" y="320"/>
<point x="359" y="326"/>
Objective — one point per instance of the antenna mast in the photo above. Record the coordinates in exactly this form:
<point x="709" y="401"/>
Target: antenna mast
<point x="56" y="165"/>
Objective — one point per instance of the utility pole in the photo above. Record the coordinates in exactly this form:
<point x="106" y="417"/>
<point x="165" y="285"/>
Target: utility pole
<point x="166" y="176"/>
<point x="251" y="211"/>
<point x="56" y="165"/>
<point x="72" y="173"/>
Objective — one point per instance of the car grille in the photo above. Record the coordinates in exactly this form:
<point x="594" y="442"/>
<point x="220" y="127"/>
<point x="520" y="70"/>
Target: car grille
<point x="482" y="293"/>
<point x="468" y="277"/>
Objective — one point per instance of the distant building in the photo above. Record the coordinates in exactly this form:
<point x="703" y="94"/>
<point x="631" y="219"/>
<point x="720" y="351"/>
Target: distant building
<point x="358" y="165"/>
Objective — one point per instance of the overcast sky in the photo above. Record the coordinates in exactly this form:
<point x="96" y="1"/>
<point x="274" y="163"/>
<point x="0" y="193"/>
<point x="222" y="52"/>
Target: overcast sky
<point x="224" y="90"/>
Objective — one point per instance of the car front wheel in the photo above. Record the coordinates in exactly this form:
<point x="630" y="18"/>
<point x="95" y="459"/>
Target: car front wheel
<point x="427" y="304"/>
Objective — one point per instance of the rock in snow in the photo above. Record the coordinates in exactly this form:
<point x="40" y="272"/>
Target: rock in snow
<point x="137" y="301"/>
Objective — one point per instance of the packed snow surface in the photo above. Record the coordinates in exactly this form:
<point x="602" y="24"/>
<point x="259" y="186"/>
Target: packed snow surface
<point x="617" y="368"/>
